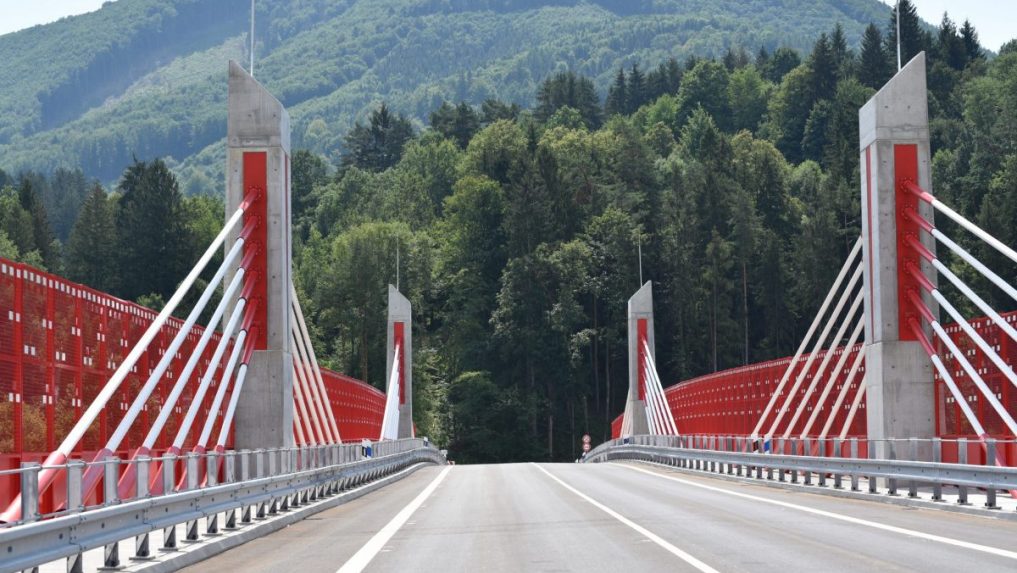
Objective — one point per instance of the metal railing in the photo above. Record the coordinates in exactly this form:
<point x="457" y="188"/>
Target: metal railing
<point x="915" y="462"/>
<point x="242" y="486"/>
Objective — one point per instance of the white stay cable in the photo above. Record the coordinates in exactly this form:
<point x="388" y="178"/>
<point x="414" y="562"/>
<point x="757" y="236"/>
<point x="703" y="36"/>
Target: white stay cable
<point x="99" y="402"/>
<point x="206" y="378"/>
<point x="311" y="385"/>
<point x="306" y="335"/>
<point x="832" y="378"/>
<point x="848" y="264"/>
<point x="668" y="418"/>
<point x="220" y="393"/>
<point x="859" y="357"/>
<point x="854" y="408"/>
<point x="310" y="421"/>
<point x="815" y="351"/>
<point x="199" y="348"/>
<point x="167" y="358"/>
<point x="827" y="356"/>
<point x="231" y="408"/>
<point x="390" y="422"/>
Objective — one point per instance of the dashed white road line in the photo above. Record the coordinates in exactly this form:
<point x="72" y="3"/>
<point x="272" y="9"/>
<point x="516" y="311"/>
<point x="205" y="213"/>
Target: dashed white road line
<point x="639" y="528"/>
<point x="838" y="516"/>
<point x="376" y="544"/>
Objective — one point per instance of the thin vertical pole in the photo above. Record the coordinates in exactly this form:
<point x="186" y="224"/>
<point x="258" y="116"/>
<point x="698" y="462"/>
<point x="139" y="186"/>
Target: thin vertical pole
<point x="639" y="248"/>
<point x="898" y="33"/>
<point x="252" y="40"/>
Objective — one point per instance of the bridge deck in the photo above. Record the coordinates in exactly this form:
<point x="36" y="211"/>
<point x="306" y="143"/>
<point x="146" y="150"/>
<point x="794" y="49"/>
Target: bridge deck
<point x="522" y="518"/>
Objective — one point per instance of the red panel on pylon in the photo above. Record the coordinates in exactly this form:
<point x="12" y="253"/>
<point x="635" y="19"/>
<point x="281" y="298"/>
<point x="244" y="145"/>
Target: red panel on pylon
<point x="641" y="353"/>
<point x="905" y="161"/>
<point x="397" y="336"/>
<point x="255" y="186"/>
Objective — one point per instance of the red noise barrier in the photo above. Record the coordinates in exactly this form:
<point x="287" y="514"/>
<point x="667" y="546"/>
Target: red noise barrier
<point x="61" y="341"/>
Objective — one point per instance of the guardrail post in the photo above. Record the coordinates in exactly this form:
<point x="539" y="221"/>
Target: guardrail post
<point x="990" y="460"/>
<point x="821" y="451"/>
<point x="29" y="478"/>
<point x="871" y="454"/>
<point x="838" y="452"/>
<point x="142" y="549"/>
<point x="245" y="475"/>
<point x="854" y="455"/>
<point x="794" y="452"/>
<point x="913" y="484"/>
<point x="937" y="457"/>
<point x="891" y="454"/>
<point x="212" y="479"/>
<point x="273" y="504"/>
<point x="230" y="476"/>
<point x="962" y="458"/>
<point x="75" y="504"/>
<point x="191" y="528"/>
<point x="111" y="473"/>
<point x="169" y="534"/>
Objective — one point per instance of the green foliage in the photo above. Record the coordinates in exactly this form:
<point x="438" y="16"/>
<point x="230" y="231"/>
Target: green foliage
<point x="153" y="248"/>
<point x="379" y="144"/>
<point x="91" y="249"/>
<point x="517" y="233"/>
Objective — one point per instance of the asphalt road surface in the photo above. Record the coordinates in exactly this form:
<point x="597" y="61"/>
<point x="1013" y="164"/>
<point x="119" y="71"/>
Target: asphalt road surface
<point x="618" y="517"/>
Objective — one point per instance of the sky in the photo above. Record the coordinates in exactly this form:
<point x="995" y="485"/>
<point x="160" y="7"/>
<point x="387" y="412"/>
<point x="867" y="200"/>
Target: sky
<point x="994" y="19"/>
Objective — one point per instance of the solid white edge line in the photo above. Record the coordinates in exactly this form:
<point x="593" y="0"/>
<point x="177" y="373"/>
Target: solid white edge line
<point x="363" y="557"/>
<point x="640" y="529"/>
<point x="838" y="516"/>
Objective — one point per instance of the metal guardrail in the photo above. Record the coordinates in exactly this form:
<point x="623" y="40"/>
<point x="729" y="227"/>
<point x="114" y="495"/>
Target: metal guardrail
<point x="670" y="450"/>
<point x="257" y="491"/>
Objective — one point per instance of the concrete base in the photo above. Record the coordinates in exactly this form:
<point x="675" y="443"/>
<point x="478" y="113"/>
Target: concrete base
<point x="264" y="417"/>
<point x="899" y="395"/>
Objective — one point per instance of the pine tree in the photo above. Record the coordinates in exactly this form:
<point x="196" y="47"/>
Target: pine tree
<point x="972" y="49"/>
<point x="783" y="61"/>
<point x="378" y="145"/>
<point x="874" y="66"/>
<point x="616" y="95"/>
<point x="636" y="93"/>
<point x="950" y="46"/>
<point x="822" y="69"/>
<point x="92" y="243"/>
<point x="842" y="56"/>
<point x="914" y="38"/>
<point x="762" y="58"/>
<point x="42" y="235"/>
<point x="153" y="240"/>
<point x="568" y="89"/>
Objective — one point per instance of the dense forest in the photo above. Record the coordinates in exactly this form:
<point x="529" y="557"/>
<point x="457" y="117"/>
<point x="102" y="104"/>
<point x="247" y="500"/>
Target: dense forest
<point x="146" y="78"/>
<point x="517" y="228"/>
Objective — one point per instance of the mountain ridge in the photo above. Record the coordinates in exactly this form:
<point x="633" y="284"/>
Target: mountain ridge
<point x="349" y="55"/>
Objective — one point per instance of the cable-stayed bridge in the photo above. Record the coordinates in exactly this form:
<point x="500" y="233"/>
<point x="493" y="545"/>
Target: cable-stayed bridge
<point x="134" y="440"/>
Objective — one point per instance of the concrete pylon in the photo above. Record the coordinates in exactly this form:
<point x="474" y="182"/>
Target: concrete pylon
<point x="258" y="163"/>
<point x="894" y="140"/>
<point x="400" y="331"/>
<point x="640" y="328"/>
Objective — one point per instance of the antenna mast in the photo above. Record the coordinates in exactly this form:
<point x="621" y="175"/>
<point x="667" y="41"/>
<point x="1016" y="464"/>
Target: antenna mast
<point x="252" y="38"/>
<point x="898" y="34"/>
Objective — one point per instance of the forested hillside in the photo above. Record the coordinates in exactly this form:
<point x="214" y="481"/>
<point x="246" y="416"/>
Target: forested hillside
<point x="146" y="78"/>
<point x="518" y="224"/>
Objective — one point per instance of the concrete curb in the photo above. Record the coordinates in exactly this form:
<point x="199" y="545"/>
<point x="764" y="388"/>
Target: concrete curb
<point x="900" y="500"/>
<point x="191" y="554"/>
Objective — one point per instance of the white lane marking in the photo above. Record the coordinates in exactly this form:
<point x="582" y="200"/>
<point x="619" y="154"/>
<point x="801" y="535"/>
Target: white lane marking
<point x="838" y="516"/>
<point x="375" y="545"/>
<point x="640" y="529"/>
